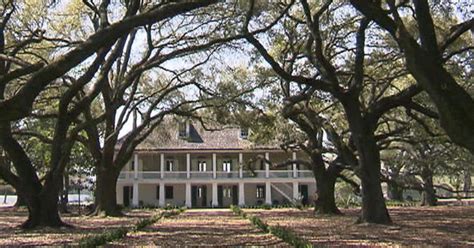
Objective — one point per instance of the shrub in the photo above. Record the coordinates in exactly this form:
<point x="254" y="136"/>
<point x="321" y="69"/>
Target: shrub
<point x="288" y="236"/>
<point x="104" y="238"/>
<point x="259" y="223"/>
<point x="283" y="233"/>
<point x="115" y="234"/>
<point x="266" y="206"/>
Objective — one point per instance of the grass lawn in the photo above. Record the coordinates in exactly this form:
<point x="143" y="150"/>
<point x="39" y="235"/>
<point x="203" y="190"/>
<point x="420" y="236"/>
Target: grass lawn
<point x="431" y="226"/>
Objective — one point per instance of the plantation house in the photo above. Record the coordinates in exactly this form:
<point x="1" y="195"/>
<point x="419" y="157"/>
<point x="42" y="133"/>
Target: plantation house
<point x="185" y="165"/>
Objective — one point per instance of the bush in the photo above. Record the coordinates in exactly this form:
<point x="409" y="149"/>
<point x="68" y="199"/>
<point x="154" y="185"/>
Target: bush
<point x="111" y="235"/>
<point x="104" y="238"/>
<point x="259" y="223"/>
<point x="393" y="203"/>
<point x="289" y="236"/>
<point x="283" y="233"/>
<point x="266" y="206"/>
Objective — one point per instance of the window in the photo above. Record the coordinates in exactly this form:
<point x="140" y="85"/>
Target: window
<point x="168" y="192"/>
<point x="244" y="133"/>
<point x="227" y="165"/>
<point x="182" y="130"/>
<point x="132" y="166"/>
<point x="260" y="191"/>
<point x="199" y="193"/>
<point x="227" y="192"/>
<point x="158" y="192"/>
<point x="169" y="165"/>
<point x="202" y="166"/>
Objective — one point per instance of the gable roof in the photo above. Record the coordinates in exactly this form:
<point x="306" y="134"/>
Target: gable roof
<point x="165" y="137"/>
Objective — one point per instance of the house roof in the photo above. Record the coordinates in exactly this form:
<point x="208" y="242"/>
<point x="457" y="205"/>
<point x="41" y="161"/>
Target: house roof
<point x="165" y="137"/>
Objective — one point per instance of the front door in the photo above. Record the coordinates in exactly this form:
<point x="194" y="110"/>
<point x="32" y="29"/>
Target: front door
<point x="194" y="196"/>
<point x="304" y="194"/>
<point x="235" y="196"/>
<point x="204" y="196"/>
<point x="126" y="196"/>
<point x="220" y="195"/>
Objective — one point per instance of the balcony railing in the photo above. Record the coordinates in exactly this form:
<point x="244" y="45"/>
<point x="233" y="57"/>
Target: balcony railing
<point x="201" y="174"/>
<point x="257" y="173"/>
<point x="281" y="174"/>
<point x="124" y="175"/>
<point x="176" y="174"/>
<point x="225" y="174"/>
<point x="149" y="174"/>
<point x="304" y="174"/>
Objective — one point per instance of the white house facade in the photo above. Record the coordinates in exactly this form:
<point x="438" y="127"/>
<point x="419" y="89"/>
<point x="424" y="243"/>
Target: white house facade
<point x="186" y="165"/>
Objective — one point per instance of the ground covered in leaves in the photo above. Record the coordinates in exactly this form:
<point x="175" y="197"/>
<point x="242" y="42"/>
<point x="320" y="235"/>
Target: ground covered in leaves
<point x="415" y="226"/>
<point x="11" y="235"/>
<point x="446" y="226"/>
<point x="218" y="227"/>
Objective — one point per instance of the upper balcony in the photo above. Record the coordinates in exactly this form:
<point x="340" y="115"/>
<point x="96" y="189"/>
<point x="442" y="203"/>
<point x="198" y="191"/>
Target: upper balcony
<point x="186" y="166"/>
<point x="155" y="175"/>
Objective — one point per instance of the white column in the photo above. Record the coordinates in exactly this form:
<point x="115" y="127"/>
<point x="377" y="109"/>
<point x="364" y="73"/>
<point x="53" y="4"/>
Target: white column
<point x="215" y="202"/>
<point x="188" y="195"/>
<point x="162" y="165"/>
<point x="241" y="194"/>
<point x="161" y="199"/>
<point x="296" y="193"/>
<point x="267" y="165"/>
<point x="268" y="193"/>
<point x="188" y="165"/>
<point x="214" y="166"/>
<point x="241" y="164"/>
<point x="135" y="166"/>
<point x="135" y="194"/>
<point x="295" y="170"/>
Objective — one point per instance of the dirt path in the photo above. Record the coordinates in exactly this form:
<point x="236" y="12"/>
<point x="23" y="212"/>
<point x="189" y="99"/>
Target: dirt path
<point x="201" y="227"/>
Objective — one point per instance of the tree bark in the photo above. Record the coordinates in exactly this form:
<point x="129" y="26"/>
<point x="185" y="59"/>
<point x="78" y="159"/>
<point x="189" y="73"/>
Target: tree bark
<point x="326" y="202"/>
<point x="20" y="201"/>
<point x="454" y="103"/>
<point x="325" y="184"/>
<point x="429" y="193"/>
<point x="374" y="209"/>
<point x="105" y="193"/>
<point x="43" y="210"/>
<point x="467" y="182"/>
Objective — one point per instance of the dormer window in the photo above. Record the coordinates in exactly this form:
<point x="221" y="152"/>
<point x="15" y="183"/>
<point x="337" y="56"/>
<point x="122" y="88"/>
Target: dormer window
<point x="183" y="129"/>
<point x="244" y="133"/>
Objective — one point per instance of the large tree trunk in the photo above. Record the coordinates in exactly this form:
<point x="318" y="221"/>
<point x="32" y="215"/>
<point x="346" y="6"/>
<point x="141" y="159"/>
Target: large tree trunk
<point x="467" y="182"/>
<point x="105" y="193"/>
<point x="374" y="209"/>
<point x="20" y="201"/>
<point x="326" y="202"/>
<point x="429" y="193"/>
<point x="42" y="200"/>
<point x="43" y="209"/>
<point x="454" y="103"/>
<point x="325" y="184"/>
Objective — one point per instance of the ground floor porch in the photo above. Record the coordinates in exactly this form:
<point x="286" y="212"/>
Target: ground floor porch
<point x="214" y="194"/>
